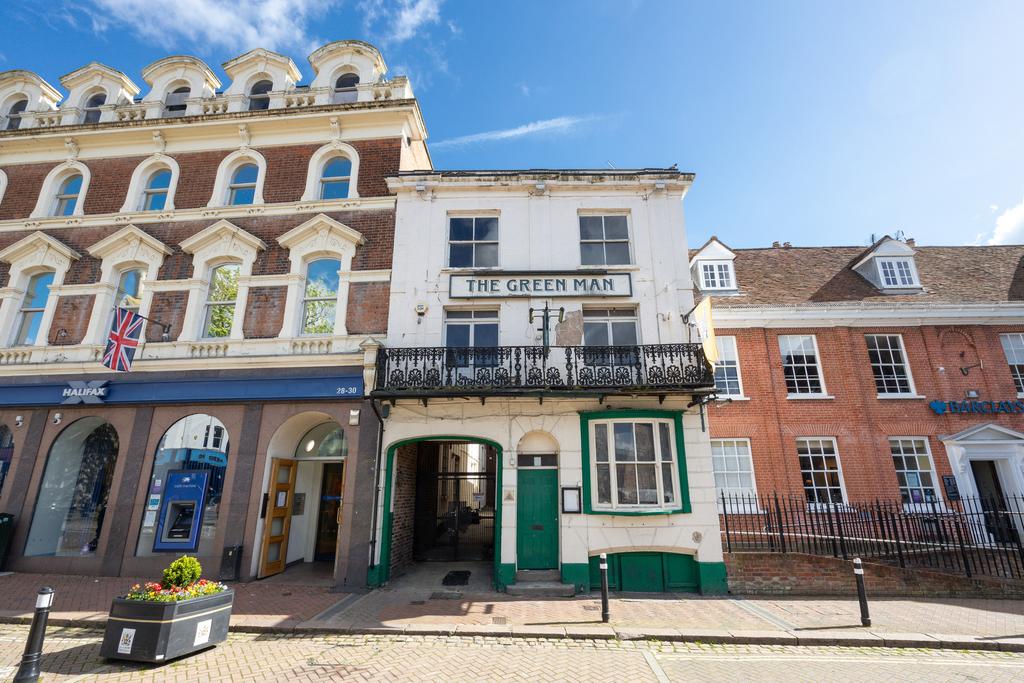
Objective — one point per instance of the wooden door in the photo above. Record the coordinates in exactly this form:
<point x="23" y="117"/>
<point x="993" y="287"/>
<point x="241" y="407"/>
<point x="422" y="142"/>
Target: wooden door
<point x="279" y="517"/>
<point x="537" y="519"/>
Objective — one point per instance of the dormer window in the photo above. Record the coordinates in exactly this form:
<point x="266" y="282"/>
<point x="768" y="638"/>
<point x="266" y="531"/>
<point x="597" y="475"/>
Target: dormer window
<point x="259" y="96"/>
<point x="716" y="275"/>
<point x="14" y="114"/>
<point x="345" y="88"/>
<point x="175" y="104"/>
<point x="92" y="108"/>
<point x="897" y="272"/>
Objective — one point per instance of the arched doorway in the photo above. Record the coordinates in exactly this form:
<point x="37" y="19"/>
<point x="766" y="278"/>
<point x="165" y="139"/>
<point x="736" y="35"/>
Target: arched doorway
<point x="442" y="504"/>
<point x="303" y="493"/>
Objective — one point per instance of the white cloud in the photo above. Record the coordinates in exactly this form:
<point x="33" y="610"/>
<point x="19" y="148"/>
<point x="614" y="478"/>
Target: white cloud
<point x="402" y="19"/>
<point x="231" y="24"/>
<point x="1009" y="226"/>
<point x="559" y="125"/>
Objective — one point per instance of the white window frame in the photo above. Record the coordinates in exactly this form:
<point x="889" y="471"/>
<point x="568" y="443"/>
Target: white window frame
<point x="27" y="257"/>
<point x="319" y="159"/>
<point x="730" y="339"/>
<point x="135" y="199"/>
<point x="473" y="217"/>
<point x="225" y="173"/>
<point x="607" y="315"/>
<point x="923" y="506"/>
<point x="41" y="336"/>
<point x="817" y="360"/>
<point x="912" y="393"/>
<point x="895" y="262"/>
<point x="1017" y="375"/>
<point x="602" y="214"/>
<point x="658" y="461"/>
<point x="718" y="268"/>
<point x="839" y="469"/>
<point x="46" y="203"/>
<point x="306" y="299"/>
<point x="209" y="304"/>
<point x="746" y="500"/>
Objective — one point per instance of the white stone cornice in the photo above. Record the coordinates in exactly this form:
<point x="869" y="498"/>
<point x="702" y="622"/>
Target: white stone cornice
<point x="383" y="275"/>
<point x="229" y="235"/>
<point x="126" y="243"/>
<point x="37" y="242"/>
<point x="320" y="228"/>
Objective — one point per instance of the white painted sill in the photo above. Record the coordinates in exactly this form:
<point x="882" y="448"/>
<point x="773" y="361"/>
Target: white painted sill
<point x="905" y="397"/>
<point x="809" y="397"/>
<point x="725" y="398"/>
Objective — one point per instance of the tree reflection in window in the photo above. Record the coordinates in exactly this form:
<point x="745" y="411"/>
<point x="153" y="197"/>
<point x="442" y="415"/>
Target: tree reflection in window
<point x="320" y="300"/>
<point x="220" y="300"/>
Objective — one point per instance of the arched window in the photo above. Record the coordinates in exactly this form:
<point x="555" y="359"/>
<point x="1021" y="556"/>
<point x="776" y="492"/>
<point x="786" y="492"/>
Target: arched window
<point x="335" y="178"/>
<point x="92" y="108"/>
<point x="14" y="114"/>
<point x="259" y="97"/>
<point x="67" y="195"/>
<point x="220" y="300"/>
<point x="242" y="189"/>
<point x="175" y="104"/>
<point x="72" y="498"/>
<point x="345" y="88"/>
<point x="6" y="453"/>
<point x="326" y="440"/>
<point x="32" y="308"/>
<point x="154" y="197"/>
<point x="320" y="299"/>
<point x="194" y="447"/>
<point x="129" y="289"/>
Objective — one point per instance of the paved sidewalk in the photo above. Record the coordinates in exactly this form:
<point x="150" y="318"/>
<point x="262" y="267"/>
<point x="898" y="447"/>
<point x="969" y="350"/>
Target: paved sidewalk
<point x="420" y="605"/>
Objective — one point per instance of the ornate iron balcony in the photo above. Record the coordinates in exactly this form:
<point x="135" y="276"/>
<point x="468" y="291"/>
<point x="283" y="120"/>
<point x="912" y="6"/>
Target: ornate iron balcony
<point x="514" y="370"/>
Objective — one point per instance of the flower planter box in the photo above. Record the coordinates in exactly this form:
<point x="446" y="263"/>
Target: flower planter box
<point x="145" y="631"/>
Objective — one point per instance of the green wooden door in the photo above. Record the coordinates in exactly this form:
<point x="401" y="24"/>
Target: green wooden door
<point x="537" y="520"/>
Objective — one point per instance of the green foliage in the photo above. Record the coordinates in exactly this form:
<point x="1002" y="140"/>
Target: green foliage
<point x="184" y="571"/>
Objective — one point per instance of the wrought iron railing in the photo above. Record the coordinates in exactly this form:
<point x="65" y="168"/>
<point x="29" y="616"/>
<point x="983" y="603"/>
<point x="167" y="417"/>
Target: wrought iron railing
<point x="650" y="368"/>
<point x="971" y="536"/>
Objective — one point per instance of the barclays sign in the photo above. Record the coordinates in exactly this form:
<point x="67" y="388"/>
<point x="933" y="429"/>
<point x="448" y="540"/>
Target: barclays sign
<point x="976" y="407"/>
<point x="84" y="392"/>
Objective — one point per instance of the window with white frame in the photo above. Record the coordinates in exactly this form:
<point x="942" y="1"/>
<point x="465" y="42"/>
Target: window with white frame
<point x="345" y="88"/>
<point x="129" y="289"/>
<point x="819" y="467"/>
<point x="320" y="297"/>
<point x="889" y="364"/>
<point x="92" y="108"/>
<point x="634" y="464"/>
<point x="727" y="369"/>
<point x="604" y="240"/>
<point x="176" y="102"/>
<point x="1013" y="347"/>
<point x="610" y="327"/>
<point x="259" y="95"/>
<point x="220" y="301"/>
<point x="335" y="178"/>
<point x="14" y="114"/>
<point x="897" y="272"/>
<point x="914" y="469"/>
<point x="32" y="308"/>
<point x="242" y="189"/>
<point x="473" y="241"/>
<point x="733" y="468"/>
<point x="67" y="195"/>
<point x="800" y="365"/>
<point x="716" y="275"/>
<point x="475" y="335"/>
<point x="154" y="195"/>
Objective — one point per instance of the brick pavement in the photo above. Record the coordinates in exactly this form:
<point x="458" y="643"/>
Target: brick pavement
<point x="72" y="655"/>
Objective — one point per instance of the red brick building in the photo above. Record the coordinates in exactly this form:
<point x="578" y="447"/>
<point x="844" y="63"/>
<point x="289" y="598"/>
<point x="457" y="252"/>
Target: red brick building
<point x="848" y="374"/>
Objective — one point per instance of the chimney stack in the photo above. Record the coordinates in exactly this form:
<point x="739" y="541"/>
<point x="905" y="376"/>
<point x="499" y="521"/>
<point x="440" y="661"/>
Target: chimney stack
<point x="776" y="245"/>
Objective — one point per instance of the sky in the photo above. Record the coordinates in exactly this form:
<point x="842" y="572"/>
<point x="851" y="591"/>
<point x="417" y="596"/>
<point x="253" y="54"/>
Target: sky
<point x="808" y="121"/>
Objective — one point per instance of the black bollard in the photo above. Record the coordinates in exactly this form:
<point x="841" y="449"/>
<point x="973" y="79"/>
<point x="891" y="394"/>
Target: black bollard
<point x="858" y="573"/>
<point x="28" y="671"/>
<point x="605" y="614"/>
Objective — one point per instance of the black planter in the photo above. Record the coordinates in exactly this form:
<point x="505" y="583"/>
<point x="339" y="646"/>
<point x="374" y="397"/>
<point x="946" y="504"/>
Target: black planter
<point x="144" y="631"/>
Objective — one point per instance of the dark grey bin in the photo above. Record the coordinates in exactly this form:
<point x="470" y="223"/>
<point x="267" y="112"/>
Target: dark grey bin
<point x="157" y="632"/>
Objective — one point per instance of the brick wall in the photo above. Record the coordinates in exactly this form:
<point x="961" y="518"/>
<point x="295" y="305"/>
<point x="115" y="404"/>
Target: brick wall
<point x="264" y="312"/>
<point x="859" y="421"/>
<point x="368" y="307"/>
<point x="168" y="308"/>
<point x="796" y="574"/>
<point x="72" y="315"/>
<point x="404" y="497"/>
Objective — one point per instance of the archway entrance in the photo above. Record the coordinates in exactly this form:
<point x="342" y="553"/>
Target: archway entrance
<point x="442" y="506"/>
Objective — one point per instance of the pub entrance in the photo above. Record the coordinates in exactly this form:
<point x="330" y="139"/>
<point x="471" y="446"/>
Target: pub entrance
<point x="453" y="515"/>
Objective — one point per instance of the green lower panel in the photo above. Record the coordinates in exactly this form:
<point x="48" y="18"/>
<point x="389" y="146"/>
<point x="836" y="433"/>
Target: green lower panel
<point x="504" y="575"/>
<point x="652" y="572"/>
<point x="374" y="576"/>
<point x="578" y="574"/>
<point x="712" y="578"/>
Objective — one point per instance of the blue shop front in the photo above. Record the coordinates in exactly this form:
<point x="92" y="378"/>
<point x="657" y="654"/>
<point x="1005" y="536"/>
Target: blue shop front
<point x="253" y="472"/>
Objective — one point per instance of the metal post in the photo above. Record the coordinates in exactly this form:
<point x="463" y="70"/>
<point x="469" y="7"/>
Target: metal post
<point x="28" y="671"/>
<point x="858" y="573"/>
<point x="605" y="614"/>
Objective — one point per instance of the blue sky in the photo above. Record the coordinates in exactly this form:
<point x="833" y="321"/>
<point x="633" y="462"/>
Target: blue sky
<point x="808" y="121"/>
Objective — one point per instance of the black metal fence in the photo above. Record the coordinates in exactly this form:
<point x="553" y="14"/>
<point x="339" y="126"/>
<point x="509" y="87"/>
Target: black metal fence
<point x="511" y="369"/>
<point x="972" y="536"/>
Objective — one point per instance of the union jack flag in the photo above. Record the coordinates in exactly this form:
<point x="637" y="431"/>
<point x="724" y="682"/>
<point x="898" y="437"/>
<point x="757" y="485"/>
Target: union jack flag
<point x="123" y="340"/>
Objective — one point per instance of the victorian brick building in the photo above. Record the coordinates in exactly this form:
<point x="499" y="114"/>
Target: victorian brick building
<point x="251" y="224"/>
<point x="893" y="372"/>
